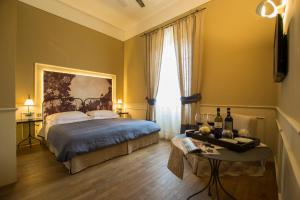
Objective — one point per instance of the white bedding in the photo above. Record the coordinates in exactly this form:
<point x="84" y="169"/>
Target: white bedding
<point x="71" y="117"/>
<point x="102" y="114"/>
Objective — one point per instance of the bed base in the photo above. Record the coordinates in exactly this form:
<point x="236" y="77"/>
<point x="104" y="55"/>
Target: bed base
<point x="81" y="162"/>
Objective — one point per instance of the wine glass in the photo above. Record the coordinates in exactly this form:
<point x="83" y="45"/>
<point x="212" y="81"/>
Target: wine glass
<point x="198" y="119"/>
<point x="211" y="120"/>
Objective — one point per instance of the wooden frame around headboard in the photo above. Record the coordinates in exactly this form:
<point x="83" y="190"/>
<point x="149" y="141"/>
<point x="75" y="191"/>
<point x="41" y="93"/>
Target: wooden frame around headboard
<point x="39" y="80"/>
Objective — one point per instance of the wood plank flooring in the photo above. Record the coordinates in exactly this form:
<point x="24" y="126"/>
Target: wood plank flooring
<point x="138" y="176"/>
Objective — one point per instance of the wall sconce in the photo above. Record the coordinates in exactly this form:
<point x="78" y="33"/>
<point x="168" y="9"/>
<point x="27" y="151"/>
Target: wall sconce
<point x="268" y="9"/>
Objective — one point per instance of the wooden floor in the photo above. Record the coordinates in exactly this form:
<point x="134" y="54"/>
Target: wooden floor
<point x="140" y="175"/>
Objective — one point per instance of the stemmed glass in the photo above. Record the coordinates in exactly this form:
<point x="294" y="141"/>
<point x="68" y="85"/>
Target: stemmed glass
<point x="198" y="119"/>
<point x="204" y="119"/>
<point x="211" y="119"/>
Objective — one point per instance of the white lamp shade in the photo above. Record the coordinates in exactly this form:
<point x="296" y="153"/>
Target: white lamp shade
<point x="119" y="101"/>
<point x="28" y="102"/>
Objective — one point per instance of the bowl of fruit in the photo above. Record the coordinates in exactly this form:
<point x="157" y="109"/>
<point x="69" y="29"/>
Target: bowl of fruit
<point x="205" y="130"/>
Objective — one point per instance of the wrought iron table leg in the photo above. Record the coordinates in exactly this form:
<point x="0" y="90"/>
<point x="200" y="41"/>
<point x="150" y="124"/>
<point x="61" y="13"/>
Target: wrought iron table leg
<point x="222" y="187"/>
<point x="22" y="141"/>
<point x="211" y="175"/>
<point x="208" y="184"/>
<point x="29" y="137"/>
<point x="216" y="174"/>
<point x="214" y="180"/>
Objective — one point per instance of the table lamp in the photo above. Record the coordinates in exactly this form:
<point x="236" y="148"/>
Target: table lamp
<point x="28" y="102"/>
<point x="119" y="105"/>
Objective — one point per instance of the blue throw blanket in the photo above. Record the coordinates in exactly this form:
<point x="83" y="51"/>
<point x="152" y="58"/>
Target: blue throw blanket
<point x="81" y="137"/>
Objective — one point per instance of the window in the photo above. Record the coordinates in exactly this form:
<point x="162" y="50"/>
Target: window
<point x="168" y="106"/>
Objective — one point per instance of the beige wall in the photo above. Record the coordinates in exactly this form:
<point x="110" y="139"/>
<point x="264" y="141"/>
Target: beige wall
<point x="8" y="54"/>
<point x="8" y="21"/>
<point x="134" y="66"/>
<point x="237" y="57"/>
<point x="46" y="38"/>
<point x="288" y="119"/>
<point x="289" y="92"/>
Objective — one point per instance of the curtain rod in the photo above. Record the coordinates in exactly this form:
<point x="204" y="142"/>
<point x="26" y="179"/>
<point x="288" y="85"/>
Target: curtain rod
<point x="173" y="22"/>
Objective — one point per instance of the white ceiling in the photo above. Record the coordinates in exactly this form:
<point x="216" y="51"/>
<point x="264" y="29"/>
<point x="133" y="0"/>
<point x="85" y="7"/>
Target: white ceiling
<point x="121" y="19"/>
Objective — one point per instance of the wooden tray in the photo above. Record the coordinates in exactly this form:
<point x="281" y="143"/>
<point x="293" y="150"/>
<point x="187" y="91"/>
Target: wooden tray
<point x="239" y="147"/>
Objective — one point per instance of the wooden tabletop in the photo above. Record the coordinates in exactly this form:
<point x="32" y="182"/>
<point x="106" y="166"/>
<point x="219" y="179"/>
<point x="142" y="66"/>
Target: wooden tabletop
<point x="19" y="121"/>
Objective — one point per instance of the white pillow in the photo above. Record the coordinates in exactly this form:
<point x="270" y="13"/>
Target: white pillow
<point x="66" y="116"/>
<point x="102" y="114"/>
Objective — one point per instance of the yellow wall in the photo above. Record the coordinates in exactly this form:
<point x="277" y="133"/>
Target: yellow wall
<point x="7" y="55"/>
<point x="8" y="21"/>
<point x="45" y="38"/>
<point x="237" y="57"/>
<point x="134" y="74"/>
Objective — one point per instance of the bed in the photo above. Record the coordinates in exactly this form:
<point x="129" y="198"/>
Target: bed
<point x="81" y="136"/>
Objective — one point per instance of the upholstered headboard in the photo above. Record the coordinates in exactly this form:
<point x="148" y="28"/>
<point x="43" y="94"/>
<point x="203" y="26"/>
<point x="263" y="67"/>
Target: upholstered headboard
<point x="61" y="104"/>
<point x="65" y="104"/>
<point x="97" y="104"/>
<point x="55" y="81"/>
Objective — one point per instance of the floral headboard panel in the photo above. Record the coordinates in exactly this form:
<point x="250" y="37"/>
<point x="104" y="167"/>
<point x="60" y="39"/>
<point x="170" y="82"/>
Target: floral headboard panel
<point x="64" y="92"/>
<point x="60" y="104"/>
<point x="103" y="103"/>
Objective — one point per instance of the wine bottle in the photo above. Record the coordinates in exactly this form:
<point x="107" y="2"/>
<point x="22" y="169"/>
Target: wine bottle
<point x="218" y="125"/>
<point x="228" y="121"/>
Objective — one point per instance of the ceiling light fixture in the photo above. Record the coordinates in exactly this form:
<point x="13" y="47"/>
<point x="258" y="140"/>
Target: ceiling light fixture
<point x="141" y="3"/>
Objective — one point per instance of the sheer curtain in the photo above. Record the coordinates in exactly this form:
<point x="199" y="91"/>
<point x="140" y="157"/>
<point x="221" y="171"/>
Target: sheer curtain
<point x="168" y="105"/>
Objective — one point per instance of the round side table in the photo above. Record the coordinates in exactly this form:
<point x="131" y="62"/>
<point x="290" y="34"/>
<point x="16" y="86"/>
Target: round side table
<point x="257" y="154"/>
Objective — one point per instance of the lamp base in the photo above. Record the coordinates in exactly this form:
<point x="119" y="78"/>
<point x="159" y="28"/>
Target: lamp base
<point x="29" y="115"/>
<point x="119" y="110"/>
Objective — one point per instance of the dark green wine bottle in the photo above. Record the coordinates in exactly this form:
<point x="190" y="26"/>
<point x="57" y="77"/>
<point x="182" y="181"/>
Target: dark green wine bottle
<point x="228" y="121"/>
<point x="218" y="125"/>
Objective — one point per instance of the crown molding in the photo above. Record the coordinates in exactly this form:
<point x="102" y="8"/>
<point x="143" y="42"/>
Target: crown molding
<point x="64" y="11"/>
<point x="162" y="16"/>
<point x="78" y="16"/>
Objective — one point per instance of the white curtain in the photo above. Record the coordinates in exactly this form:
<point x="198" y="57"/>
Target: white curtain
<point x="168" y="105"/>
<point x="188" y="42"/>
<point x="154" y="46"/>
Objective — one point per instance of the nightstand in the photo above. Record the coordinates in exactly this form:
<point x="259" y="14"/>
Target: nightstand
<point x="30" y="137"/>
